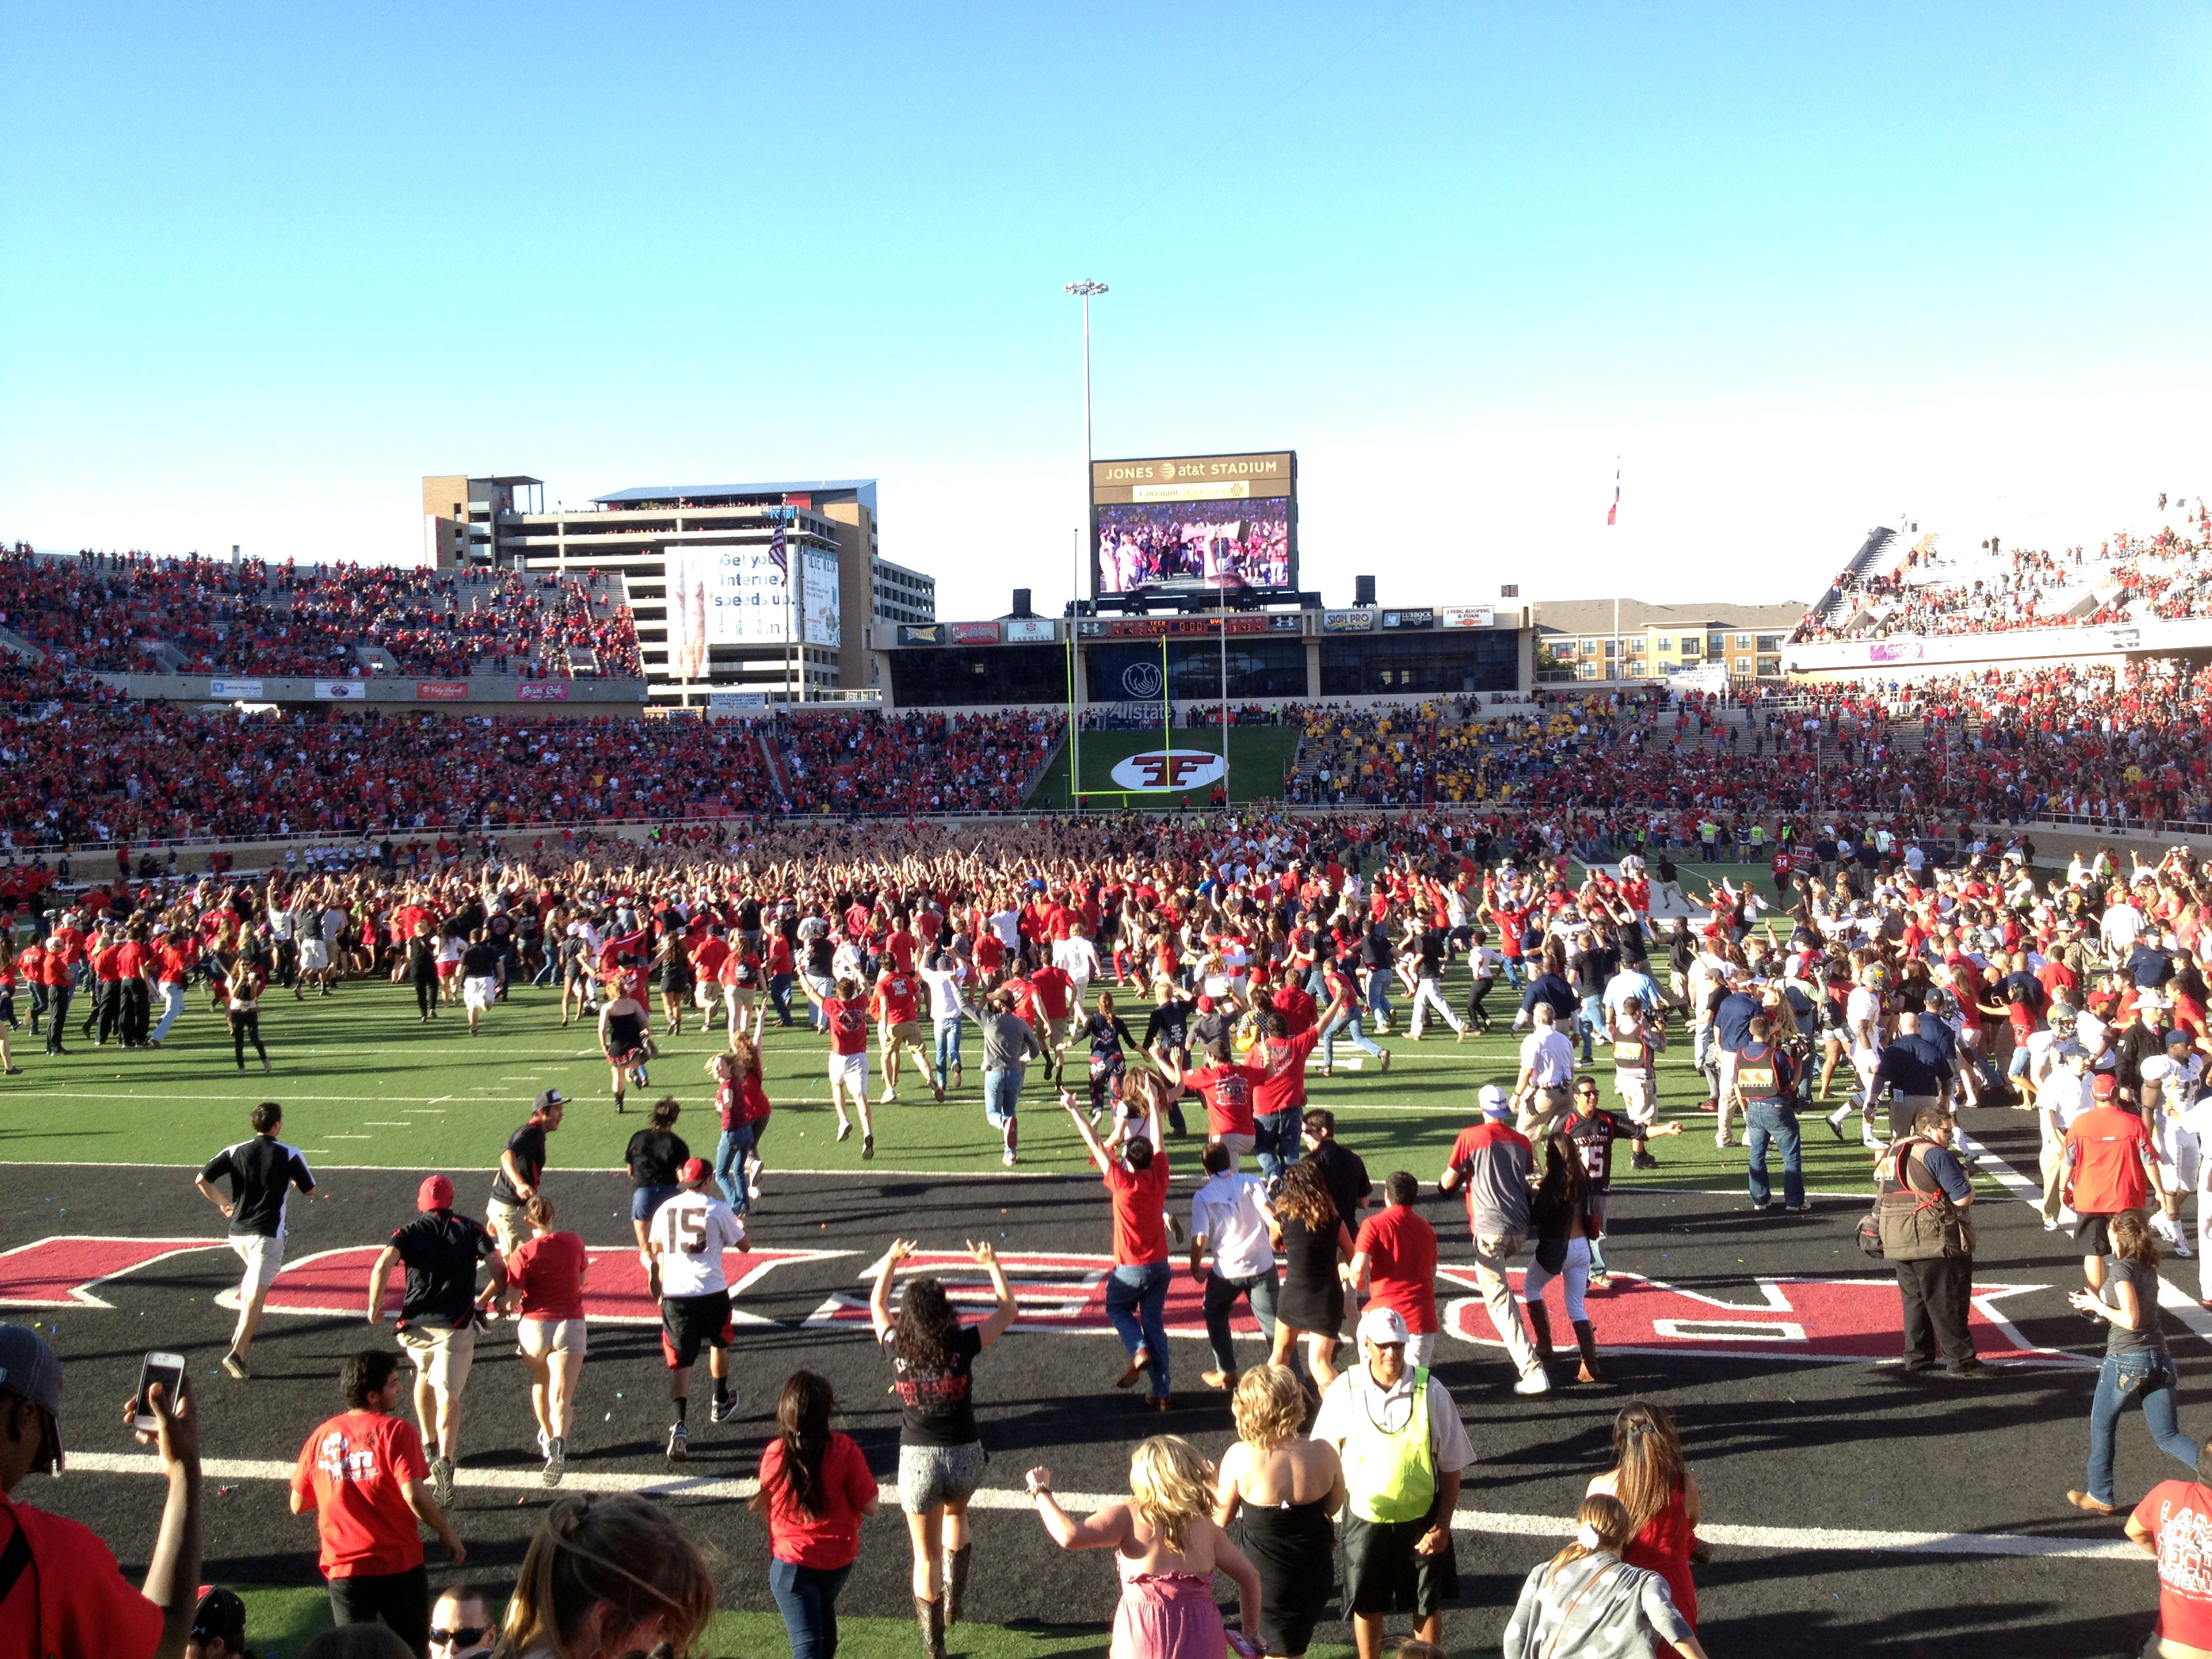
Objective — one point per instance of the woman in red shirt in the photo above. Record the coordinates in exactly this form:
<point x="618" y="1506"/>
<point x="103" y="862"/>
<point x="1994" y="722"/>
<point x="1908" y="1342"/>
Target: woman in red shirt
<point x="545" y="1294"/>
<point x="815" y="1490"/>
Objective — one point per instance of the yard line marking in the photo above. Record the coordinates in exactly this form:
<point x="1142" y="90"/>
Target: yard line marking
<point x="384" y="1123"/>
<point x="349" y="1137"/>
<point x="1796" y="1539"/>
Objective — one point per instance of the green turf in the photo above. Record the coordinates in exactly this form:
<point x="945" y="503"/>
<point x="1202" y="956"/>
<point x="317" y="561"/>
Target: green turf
<point x="363" y="1084"/>
<point x="280" y="1622"/>
<point x="1258" y="758"/>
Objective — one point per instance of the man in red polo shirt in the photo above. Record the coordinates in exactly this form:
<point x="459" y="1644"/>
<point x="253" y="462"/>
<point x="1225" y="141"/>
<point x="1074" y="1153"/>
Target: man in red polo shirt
<point x="1136" y="1177"/>
<point x="60" y="970"/>
<point x="1229" y="1091"/>
<point x="364" y="1475"/>
<point x="2110" y="1166"/>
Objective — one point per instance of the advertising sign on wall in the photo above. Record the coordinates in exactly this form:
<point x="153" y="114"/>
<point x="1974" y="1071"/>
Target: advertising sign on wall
<point x="442" y="691"/>
<point x="1028" y="629"/>
<point x="341" y="690"/>
<point x="979" y="633"/>
<point x="819" y="599"/>
<point x="246" y="688"/>
<point x="1468" y="616"/>
<point x="1347" y="621"/>
<point x="542" y="691"/>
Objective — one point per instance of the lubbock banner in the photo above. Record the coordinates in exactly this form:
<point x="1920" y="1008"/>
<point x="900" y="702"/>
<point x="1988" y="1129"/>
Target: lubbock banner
<point x="442" y="691"/>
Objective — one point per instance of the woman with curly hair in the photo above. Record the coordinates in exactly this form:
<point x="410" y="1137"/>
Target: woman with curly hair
<point x="1167" y="1548"/>
<point x="606" y="1576"/>
<point x="1315" y="1244"/>
<point x="941" y="1455"/>
<point x="1288" y="1488"/>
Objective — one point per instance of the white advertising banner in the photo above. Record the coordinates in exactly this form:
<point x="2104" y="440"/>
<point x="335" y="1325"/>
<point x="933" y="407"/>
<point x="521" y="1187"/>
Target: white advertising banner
<point x="818" y="599"/>
<point x="343" y="691"/>
<point x="721" y="596"/>
<point x="250" y="689"/>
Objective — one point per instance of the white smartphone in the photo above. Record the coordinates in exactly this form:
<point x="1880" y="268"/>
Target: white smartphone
<point x="167" y="1370"/>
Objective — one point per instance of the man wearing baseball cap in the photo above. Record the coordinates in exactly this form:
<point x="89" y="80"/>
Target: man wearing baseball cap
<point x="2110" y="1166"/>
<point x="438" y="1313"/>
<point x="1403" y="1446"/>
<point x="61" y="1591"/>
<point x="1495" y="1162"/>
<point x="520" y="1167"/>
<point x="685" y="1239"/>
<point x="218" y="1625"/>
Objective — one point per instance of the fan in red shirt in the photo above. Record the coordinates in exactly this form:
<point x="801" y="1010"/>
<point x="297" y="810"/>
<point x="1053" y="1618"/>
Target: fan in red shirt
<point x="363" y="1474"/>
<point x="1054" y="994"/>
<point x="2111" y="1167"/>
<point x="2171" y="1525"/>
<point x="1395" y="1258"/>
<point x="1228" y="1090"/>
<point x="897" y="1003"/>
<point x="846" y="1015"/>
<point x="1136" y="1177"/>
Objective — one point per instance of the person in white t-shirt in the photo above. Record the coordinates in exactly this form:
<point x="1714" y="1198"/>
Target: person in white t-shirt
<point x="685" y="1239"/>
<point x="1229" y="1222"/>
<point x="2170" y="1084"/>
<point x="2062" y="1094"/>
<point x="1078" y="958"/>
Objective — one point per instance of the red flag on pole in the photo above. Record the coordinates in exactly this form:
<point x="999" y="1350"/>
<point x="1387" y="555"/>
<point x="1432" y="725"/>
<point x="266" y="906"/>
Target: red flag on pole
<point x="1612" y="513"/>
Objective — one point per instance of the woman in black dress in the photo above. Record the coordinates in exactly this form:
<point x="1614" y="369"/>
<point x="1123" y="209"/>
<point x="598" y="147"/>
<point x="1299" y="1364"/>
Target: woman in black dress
<point x="1315" y="1244"/>
<point x="1282" y="1490"/>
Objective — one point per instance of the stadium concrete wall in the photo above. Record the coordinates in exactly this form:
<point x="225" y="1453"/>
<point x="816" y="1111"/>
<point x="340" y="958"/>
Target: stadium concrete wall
<point x="479" y="694"/>
<point x="2103" y="642"/>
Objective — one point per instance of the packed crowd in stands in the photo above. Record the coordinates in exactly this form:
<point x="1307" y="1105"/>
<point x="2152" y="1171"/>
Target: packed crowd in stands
<point x="2163" y="575"/>
<point x="114" y="614"/>
<point x="869" y="762"/>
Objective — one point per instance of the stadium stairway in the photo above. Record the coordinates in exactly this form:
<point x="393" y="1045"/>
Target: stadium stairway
<point x="12" y="641"/>
<point x="1871" y="549"/>
<point x="376" y="659"/>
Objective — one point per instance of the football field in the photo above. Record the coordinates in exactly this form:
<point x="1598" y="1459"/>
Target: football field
<point x="1853" y="1509"/>
<point x="1259" y="756"/>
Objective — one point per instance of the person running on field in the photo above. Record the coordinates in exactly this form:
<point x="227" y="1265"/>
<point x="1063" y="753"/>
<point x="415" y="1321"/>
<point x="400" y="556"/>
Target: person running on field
<point x="941" y="1456"/>
<point x="623" y="1038"/>
<point x="1394" y="1255"/>
<point x="1287" y="1489"/>
<point x="479" y="977"/>
<point x="263" y="1173"/>
<point x="686" y="1238"/>
<point x="363" y="1476"/>
<point x="652" y="1158"/>
<point x="438" y="1313"/>
<point x="422" y="970"/>
<point x="1230" y="1221"/>
<point x="743" y="1104"/>
<point x="1592" y="1131"/>
<point x="2137" y="1367"/>
<point x="1494" y="1162"/>
<point x="943" y="974"/>
<point x="521" y="1165"/>
<point x="1653" y="1481"/>
<point x="545" y="1296"/>
<point x="845" y="1016"/>
<point x="673" y="966"/>
<point x="898" y="1006"/>
<point x="1136" y="1178"/>
<point x="1010" y="1042"/>
<point x="742" y="978"/>
<point x="1106" y="1033"/>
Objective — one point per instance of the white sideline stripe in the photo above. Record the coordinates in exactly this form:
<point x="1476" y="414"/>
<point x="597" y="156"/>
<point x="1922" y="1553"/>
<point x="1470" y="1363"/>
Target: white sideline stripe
<point x="1796" y="1539"/>
<point x="2171" y="1296"/>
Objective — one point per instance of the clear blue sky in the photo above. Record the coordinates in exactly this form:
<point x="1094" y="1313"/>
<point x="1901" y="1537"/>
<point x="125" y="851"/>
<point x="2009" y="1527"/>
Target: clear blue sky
<point x="1803" y="270"/>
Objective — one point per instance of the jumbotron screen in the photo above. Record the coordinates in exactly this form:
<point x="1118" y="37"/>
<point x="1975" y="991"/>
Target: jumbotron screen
<point x="1192" y="523"/>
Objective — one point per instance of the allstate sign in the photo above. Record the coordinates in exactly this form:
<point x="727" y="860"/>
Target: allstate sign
<point x="1171" y="768"/>
<point x="1141" y="681"/>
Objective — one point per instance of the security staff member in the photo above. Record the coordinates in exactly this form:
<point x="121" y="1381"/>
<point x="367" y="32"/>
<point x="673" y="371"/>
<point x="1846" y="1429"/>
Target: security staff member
<point x="1766" y="1088"/>
<point x="1914" y="1070"/>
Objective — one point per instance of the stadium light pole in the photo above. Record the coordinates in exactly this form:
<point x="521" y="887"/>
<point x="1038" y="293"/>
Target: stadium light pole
<point x="1086" y="290"/>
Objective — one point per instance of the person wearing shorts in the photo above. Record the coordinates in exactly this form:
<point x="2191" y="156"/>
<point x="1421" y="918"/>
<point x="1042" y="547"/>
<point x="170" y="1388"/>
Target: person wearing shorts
<point x="941" y="1456"/>
<point x="479" y="978"/>
<point x="2111" y="1166"/>
<point x="263" y="1173"/>
<point x="686" y="1238"/>
<point x="898" y="1009"/>
<point x="521" y="1167"/>
<point x="845" y="1017"/>
<point x="438" y="1313"/>
<point x="545" y="1296"/>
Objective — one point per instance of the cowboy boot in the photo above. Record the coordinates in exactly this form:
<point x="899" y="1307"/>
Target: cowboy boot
<point x="930" y="1615"/>
<point x="1588" y="1342"/>
<point x="1540" y="1321"/>
<point x="956" y="1582"/>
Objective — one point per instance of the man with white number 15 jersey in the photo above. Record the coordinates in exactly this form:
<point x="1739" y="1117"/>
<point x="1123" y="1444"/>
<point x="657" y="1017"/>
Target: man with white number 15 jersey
<point x="686" y="1238"/>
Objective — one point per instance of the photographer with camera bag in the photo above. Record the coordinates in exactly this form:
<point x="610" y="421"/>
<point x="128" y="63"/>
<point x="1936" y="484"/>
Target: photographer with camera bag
<point x="1922" y="1208"/>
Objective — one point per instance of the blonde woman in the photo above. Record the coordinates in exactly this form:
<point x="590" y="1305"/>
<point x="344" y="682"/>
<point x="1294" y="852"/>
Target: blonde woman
<point x="1586" y="1600"/>
<point x="606" y="1576"/>
<point x="1166" y="1547"/>
<point x="545" y="1296"/>
<point x="1288" y="1488"/>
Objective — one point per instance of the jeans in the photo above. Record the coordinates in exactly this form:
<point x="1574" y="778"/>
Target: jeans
<point x="819" y="991"/>
<point x="807" y="1599"/>
<point x="1378" y="994"/>
<point x="1002" y="1096"/>
<point x="736" y="1145"/>
<point x="1221" y="1296"/>
<point x="2144" y="1378"/>
<point x="1275" y="1140"/>
<point x="779" y="997"/>
<point x="948" y="1045"/>
<point x="1763" y="1121"/>
<point x="545" y="973"/>
<point x="1136" y="1297"/>
<point x="1593" y="1022"/>
<point x="1353" y="1031"/>
<point x="172" y="1004"/>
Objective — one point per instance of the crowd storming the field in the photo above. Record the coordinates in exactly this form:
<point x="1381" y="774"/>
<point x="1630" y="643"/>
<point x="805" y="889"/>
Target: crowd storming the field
<point x="1901" y="981"/>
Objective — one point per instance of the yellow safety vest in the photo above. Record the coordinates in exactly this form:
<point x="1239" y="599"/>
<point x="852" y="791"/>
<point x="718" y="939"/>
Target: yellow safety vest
<point x="1392" y="1476"/>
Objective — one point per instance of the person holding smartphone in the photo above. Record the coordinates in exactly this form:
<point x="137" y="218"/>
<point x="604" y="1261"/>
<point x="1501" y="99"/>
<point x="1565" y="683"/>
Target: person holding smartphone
<point x="69" y="1598"/>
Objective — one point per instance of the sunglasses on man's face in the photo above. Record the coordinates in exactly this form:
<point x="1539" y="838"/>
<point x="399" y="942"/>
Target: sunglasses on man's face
<point x="466" y="1636"/>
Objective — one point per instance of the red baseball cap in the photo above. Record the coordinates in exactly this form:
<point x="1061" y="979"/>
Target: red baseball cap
<point x="436" y="1193"/>
<point x="694" y="1171"/>
<point x="2103" y="1085"/>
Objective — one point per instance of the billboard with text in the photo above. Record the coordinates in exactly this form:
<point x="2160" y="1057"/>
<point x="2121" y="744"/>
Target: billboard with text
<point x="1191" y="523"/>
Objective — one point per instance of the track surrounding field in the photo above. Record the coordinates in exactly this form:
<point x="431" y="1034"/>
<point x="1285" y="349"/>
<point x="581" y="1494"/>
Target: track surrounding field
<point x="1856" y="1510"/>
